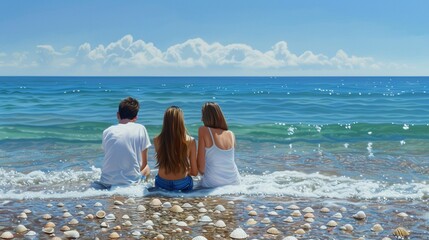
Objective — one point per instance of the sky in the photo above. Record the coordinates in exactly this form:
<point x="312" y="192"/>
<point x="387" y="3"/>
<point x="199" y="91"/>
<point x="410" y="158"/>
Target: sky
<point x="214" y="38"/>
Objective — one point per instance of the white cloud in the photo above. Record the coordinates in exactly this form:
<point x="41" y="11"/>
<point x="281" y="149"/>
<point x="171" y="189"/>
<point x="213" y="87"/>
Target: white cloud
<point x="138" y="57"/>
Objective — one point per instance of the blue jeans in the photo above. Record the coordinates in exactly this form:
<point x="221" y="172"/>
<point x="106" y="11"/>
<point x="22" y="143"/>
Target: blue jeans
<point x="184" y="184"/>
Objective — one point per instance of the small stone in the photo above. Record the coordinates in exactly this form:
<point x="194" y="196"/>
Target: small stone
<point x="166" y="205"/>
<point x="253" y="213"/>
<point x="78" y="206"/>
<point x="60" y="204"/>
<point x="22" y="215"/>
<point x="205" y="218"/>
<point x="50" y="225"/>
<point x="110" y="216"/>
<point x="117" y="227"/>
<point x="200" y="205"/>
<point x="199" y="238"/>
<point x="181" y="224"/>
<point x="343" y="209"/>
<point x="104" y="225"/>
<point x="202" y="210"/>
<point x="125" y="216"/>
<point x="220" y="208"/>
<point x="100" y="214"/>
<point x="309" y="215"/>
<point x="89" y="216"/>
<point x="156" y="202"/>
<point x="186" y="205"/>
<point x="273" y="213"/>
<point x="48" y="230"/>
<point x="136" y="233"/>
<point x="310" y="220"/>
<point x="49" y="205"/>
<point x="290" y="238"/>
<point x="127" y="224"/>
<point x="190" y="218"/>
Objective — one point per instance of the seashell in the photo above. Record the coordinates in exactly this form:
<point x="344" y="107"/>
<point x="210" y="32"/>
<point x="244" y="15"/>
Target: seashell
<point x="262" y="207"/>
<point x="127" y="224"/>
<point x="65" y="228"/>
<point x="72" y="234"/>
<point x="60" y="204"/>
<point x="125" y="216"/>
<point x="7" y="235"/>
<point x="386" y="238"/>
<point x="402" y="214"/>
<point x="205" y="218"/>
<point x="231" y="202"/>
<point x="186" y="205"/>
<point x="343" y="209"/>
<point x="278" y="208"/>
<point x="217" y="212"/>
<point x="166" y="205"/>
<point x="359" y="215"/>
<point x="165" y="222"/>
<point x="117" y="202"/>
<point x="80" y="213"/>
<point x="49" y="205"/>
<point x="181" y="224"/>
<point x="50" y="225"/>
<point x="74" y="221"/>
<point x="288" y="220"/>
<point x="337" y="215"/>
<point x="347" y="227"/>
<point x="141" y="208"/>
<point x="159" y="237"/>
<point x="47" y="216"/>
<point x="273" y="213"/>
<point x="148" y="223"/>
<point x="114" y="235"/>
<point x="273" y="230"/>
<point x="199" y="238"/>
<point x="190" y="218"/>
<point x="136" y="233"/>
<point x="98" y="204"/>
<point x="66" y="215"/>
<point x="110" y="216"/>
<point x="308" y="210"/>
<point x="100" y="214"/>
<point x="220" y="224"/>
<point x="296" y="213"/>
<point x="78" y="206"/>
<point x="117" y="227"/>
<point x="48" y="230"/>
<point x="251" y="221"/>
<point x="310" y="220"/>
<point x="104" y="225"/>
<point x="31" y="233"/>
<point x="202" y="210"/>
<point x="377" y="228"/>
<point x="22" y="215"/>
<point x="220" y="208"/>
<point x="363" y="207"/>
<point x="176" y="209"/>
<point x="401" y="232"/>
<point x="21" y="228"/>
<point x="174" y="221"/>
<point x="323" y="227"/>
<point x="290" y="238"/>
<point x="89" y="216"/>
<point x="149" y="227"/>
<point x="332" y="223"/>
<point x="156" y="202"/>
<point x="325" y="210"/>
<point x="300" y="231"/>
<point x="306" y="226"/>
<point x="27" y="211"/>
<point x="238" y="233"/>
<point x="293" y="207"/>
<point x="65" y="210"/>
<point x="253" y="213"/>
<point x="200" y="205"/>
<point x="265" y="220"/>
<point x="130" y="201"/>
<point x="249" y="208"/>
<point x="309" y="215"/>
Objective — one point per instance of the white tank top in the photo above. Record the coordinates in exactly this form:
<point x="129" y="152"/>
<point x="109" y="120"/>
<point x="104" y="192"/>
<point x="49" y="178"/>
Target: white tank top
<point x="220" y="167"/>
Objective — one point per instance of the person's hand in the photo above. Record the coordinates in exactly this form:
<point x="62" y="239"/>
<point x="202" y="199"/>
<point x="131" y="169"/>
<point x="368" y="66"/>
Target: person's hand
<point x="146" y="171"/>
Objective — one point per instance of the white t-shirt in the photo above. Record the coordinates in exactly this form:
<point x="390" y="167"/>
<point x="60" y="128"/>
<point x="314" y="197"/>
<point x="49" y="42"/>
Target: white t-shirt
<point x="123" y="145"/>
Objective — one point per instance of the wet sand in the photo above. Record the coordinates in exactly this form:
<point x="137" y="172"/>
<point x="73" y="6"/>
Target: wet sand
<point x="269" y="213"/>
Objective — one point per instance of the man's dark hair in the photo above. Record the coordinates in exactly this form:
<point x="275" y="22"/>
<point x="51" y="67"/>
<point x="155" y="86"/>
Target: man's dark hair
<point x="128" y="108"/>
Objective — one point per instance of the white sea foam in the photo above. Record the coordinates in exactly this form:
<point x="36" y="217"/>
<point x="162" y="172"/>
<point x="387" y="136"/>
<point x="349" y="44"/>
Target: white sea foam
<point x="72" y="184"/>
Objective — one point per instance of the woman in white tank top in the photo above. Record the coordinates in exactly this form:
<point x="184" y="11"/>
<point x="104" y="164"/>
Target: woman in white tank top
<point x="216" y="162"/>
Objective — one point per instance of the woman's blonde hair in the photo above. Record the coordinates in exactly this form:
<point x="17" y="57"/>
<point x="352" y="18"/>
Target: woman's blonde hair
<point x="172" y="149"/>
<point x="212" y="116"/>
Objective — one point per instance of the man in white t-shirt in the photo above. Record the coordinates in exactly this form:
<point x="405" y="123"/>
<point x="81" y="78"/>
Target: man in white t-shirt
<point x="125" y="148"/>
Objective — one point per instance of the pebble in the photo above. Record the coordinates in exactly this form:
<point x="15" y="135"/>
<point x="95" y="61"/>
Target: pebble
<point x="160" y="237"/>
<point x="265" y="220"/>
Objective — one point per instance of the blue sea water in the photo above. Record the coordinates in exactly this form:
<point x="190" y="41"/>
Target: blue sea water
<point x="330" y="137"/>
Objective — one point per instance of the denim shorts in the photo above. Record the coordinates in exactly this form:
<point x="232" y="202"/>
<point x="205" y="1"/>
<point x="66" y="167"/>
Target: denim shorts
<point x="184" y="184"/>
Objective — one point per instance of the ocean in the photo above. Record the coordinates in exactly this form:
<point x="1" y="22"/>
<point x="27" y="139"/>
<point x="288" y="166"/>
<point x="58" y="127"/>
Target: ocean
<point x="354" y="139"/>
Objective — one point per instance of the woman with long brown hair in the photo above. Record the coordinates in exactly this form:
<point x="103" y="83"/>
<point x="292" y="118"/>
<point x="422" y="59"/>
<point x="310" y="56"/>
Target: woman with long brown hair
<point x="175" y="153"/>
<point x="216" y="147"/>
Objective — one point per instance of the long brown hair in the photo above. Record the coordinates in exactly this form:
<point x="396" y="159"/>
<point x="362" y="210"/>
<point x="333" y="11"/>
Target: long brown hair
<point x="212" y="116"/>
<point x="172" y="150"/>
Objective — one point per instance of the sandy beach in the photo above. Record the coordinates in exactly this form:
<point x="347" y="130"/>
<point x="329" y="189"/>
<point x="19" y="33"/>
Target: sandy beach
<point x="159" y="217"/>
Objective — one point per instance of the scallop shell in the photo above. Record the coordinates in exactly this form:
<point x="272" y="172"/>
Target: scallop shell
<point x="337" y="215"/>
<point x="296" y="213"/>
<point x="288" y="220"/>
<point x="65" y="228"/>
<point x="278" y="208"/>
<point x="300" y="231"/>
<point x="205" y="218"/>
<point x="50" y="225"/>
<point x="48" y="230"/>
<point x="402" y="214"/>
<point x="273" y="230"/>
<point x="253" y="213"/>
<point x="308" y="210"/>
<point x="293" y="207"/>
<point x="359" y="215"/>
<point x="176" y="209"/>
<point x="220" y="224"/>
<point x="325" y="210"/>
<point x="114" y="235"/>
<point x="117" y="202"/>
<point x="98" y="204"/>
<point x="130" y="201"/>
<point x="7" y="235"/>
<point x="181" y="224"/>
<point x="251" y="221"/>
<point x="31" y="233"/>
<point x="347" y="227"/>
<point x="141" y="208"/>
<point x="332" y="223"/>
<point x="190" y="218"/>
<point x="166" y="205"/>
<point x="220" y="208"/>
<point x="265" y="220"/>
<point x="74" y="221"/>
<point x="22" y="215"/>
<point x="110" y="216"/>
<point x="309" y="215"/>
<point x="273" y="213"/>
<point x="47" y="216"/>
<point x="186" y="205"/>
<point x="72" y="234"/>
<point x="156" y="202"/>
<point x="238" y="233"/>
<point x="199" y="238"/>
<point x="21" y="228"/>
<point x="100" y="214"/>
<point x="377" y="228"/>
<point x="401" y="232"/>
